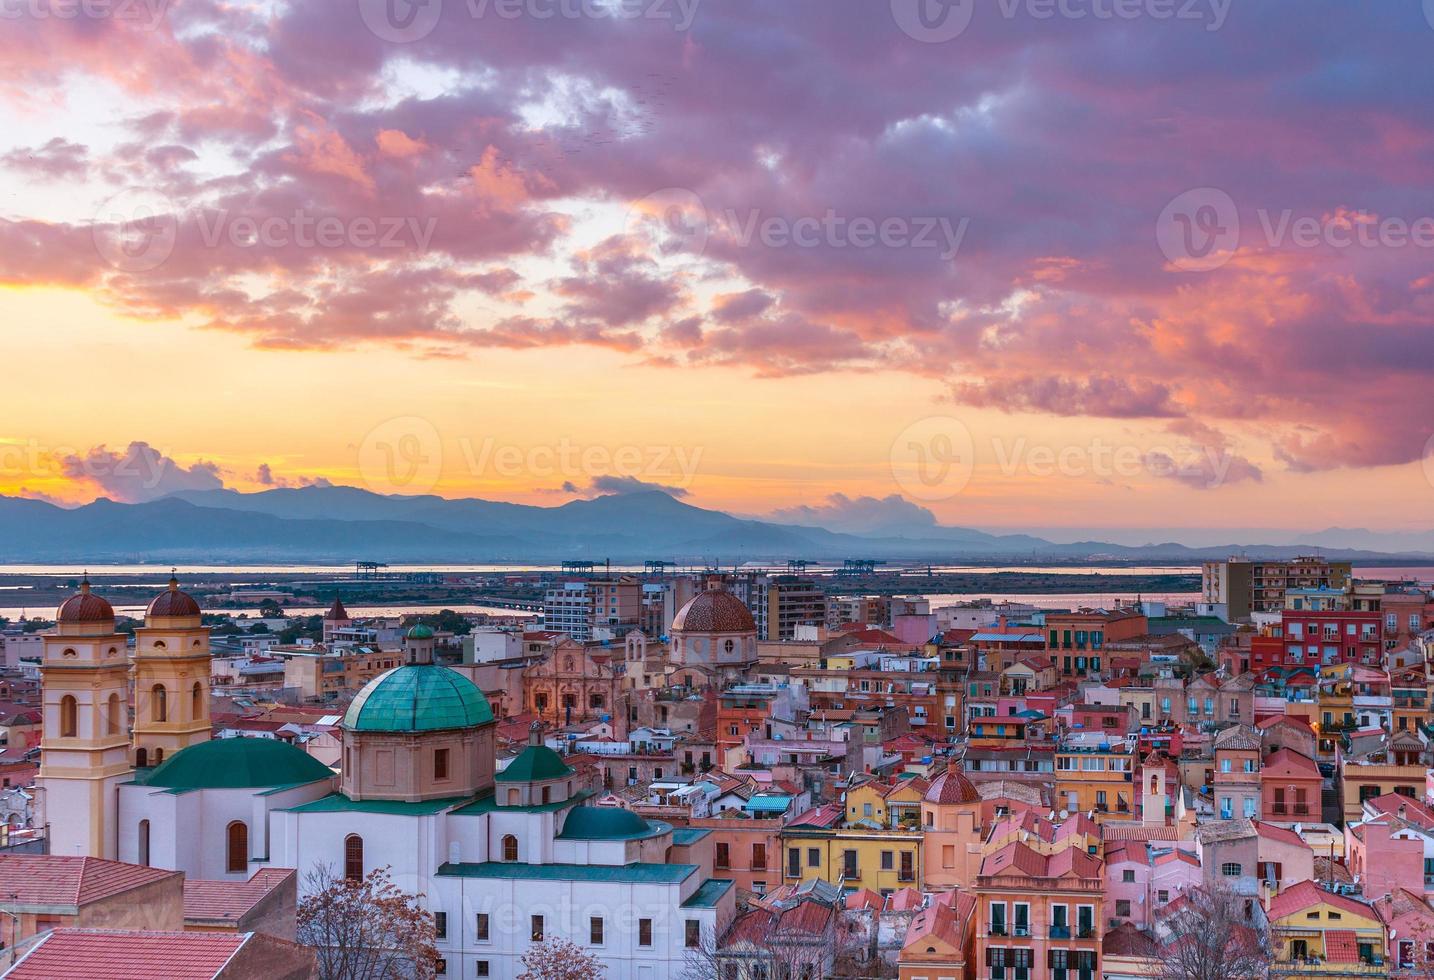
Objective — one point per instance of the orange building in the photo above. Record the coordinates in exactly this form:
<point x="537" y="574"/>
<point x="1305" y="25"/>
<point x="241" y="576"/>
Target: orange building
<point x="748" y="852"/>
<point x="1039" y="914"/>
<point x="1075" y="641"/>
<point x="951" y="822"/>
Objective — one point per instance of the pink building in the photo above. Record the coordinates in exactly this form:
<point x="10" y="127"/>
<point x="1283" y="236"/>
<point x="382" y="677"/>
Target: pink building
<point x="1142" y="877"/>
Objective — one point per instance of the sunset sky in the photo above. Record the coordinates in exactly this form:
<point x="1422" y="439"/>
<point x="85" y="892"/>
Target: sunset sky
<point x="768" y="254"/>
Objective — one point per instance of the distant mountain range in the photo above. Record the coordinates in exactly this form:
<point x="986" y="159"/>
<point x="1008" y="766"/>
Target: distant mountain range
<point x="346" y="523"/>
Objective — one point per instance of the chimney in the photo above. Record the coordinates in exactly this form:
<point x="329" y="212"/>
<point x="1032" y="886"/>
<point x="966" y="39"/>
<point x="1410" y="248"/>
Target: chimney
<point x="535" y="733"/>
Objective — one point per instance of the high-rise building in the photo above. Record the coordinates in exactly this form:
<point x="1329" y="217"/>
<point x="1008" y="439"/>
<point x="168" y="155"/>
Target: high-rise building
<point x="1243" y="585"/>
<point x="781" y="603"/>
<point x="594" y="609"/>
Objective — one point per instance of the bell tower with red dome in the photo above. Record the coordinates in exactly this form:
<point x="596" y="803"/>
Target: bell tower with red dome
<point x="84" y="755"/>
<point x="171" y="677"/>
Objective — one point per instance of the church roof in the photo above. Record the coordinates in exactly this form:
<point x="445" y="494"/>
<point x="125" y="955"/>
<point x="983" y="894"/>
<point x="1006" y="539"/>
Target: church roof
<point x="714" y="611"/>
<point x="84" y="607"/>
<point x="418" y="698"/>
<point x="536" y="764"/>
<point x="421" y="632"/>
<point x="607" y="823"/>
<point x="172" y="602"/>
<point x="237" y="763"/>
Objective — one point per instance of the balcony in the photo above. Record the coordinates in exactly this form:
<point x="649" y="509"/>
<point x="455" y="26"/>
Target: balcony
<point x="1060" y="932"/>
<point x="996" y="930"/>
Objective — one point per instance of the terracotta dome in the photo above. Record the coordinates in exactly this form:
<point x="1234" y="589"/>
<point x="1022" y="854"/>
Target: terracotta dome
<point x="714" y="611"/>
<point x="85" y="607"/>
<point x="172" y="602"/>
<point x="952" y="788"/>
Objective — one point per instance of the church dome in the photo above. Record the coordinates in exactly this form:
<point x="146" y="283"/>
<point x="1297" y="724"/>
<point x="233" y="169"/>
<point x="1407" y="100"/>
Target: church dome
<point x="418" y="698"/>
<point x="421" y="632"/>
<point x="714" y="611"/>
<point x="608" y="823"/>
<point x="952" y="788"/>
<point x="535" y="764"/>
<point x="172" y="602"/>
<point x="84" y="607"/>
<point x="237" y="763"/>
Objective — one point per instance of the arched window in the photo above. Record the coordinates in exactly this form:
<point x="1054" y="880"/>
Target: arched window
<point x="159" y="703"/>
<point x="141" y="759"/>
<point x="112" y="715"/>
<point x="196" y="701"/>
<point x="69" y="717"/>
<point x="238" y="857"/>
<point x="353" y="857"/>
<point x="144" y="843"/>
<point x="510" y="848"/>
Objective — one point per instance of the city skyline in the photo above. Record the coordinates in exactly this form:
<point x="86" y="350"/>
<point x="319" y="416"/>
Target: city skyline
<point x="998" y="252"/>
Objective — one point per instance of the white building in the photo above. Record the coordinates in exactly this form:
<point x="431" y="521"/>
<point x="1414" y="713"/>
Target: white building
<point x="502" y="858"/>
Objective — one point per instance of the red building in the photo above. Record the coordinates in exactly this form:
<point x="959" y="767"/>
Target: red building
<point x="1289" y="788"/>
<point x="1320" y="638"/>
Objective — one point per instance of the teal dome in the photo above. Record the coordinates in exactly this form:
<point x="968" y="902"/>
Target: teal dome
<point x="237" y="763"/>
<point x="418" y="698"/>
<point x="535" y="764"/>
<point x="607" y="823"/>
<point x="421" y="632"/>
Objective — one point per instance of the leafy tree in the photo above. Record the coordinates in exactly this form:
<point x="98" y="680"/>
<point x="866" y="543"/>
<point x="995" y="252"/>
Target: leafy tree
<point x="260" y="628"/>
<point x="558" y="959"/>
<point x="366" y="929"/>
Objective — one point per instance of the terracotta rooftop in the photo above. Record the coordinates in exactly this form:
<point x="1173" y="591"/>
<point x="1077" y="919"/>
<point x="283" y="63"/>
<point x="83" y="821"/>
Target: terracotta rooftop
<point x="58" y="879"/>
<point x="106" y="954"/>
<point x="230" y="901"/>
<point x="1301" y="896"/>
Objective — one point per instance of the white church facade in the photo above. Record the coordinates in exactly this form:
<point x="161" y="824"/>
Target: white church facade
<point x="503" y="859"/>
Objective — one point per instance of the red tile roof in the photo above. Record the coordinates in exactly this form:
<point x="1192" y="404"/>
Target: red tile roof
<point x="1341" y="946"/>
<point x="58" y="879"/>
<point x="230" y="901"/>
<point x="112" y="954"/>
<point x="1297" y="898"/>
<point x="1286" y="763"/>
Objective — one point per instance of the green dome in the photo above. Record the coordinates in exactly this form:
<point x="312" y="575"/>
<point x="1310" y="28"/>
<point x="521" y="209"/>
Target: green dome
<point x="418" y="698"/>
<point x="607" y="823"/>
<point x="536" y="764"/>
<point x="237" y="763"/>
<point x="421" y="632"/>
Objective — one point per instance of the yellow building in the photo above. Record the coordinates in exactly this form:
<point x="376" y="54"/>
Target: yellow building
<point x="171" y="677"/>
<point x="1321" y="934"/>
<point x="881" y="860"/>
<point x="85" y="752"/>
<point x="1095" y="776"/>
<point x="886" y="805"/>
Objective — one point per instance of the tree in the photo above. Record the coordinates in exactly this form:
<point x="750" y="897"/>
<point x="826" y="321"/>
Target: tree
<point x="784" y="943"/>
<point x="366" y="929"/>
<point x="1214" y="933"/>
<point x="558" y="959"/>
